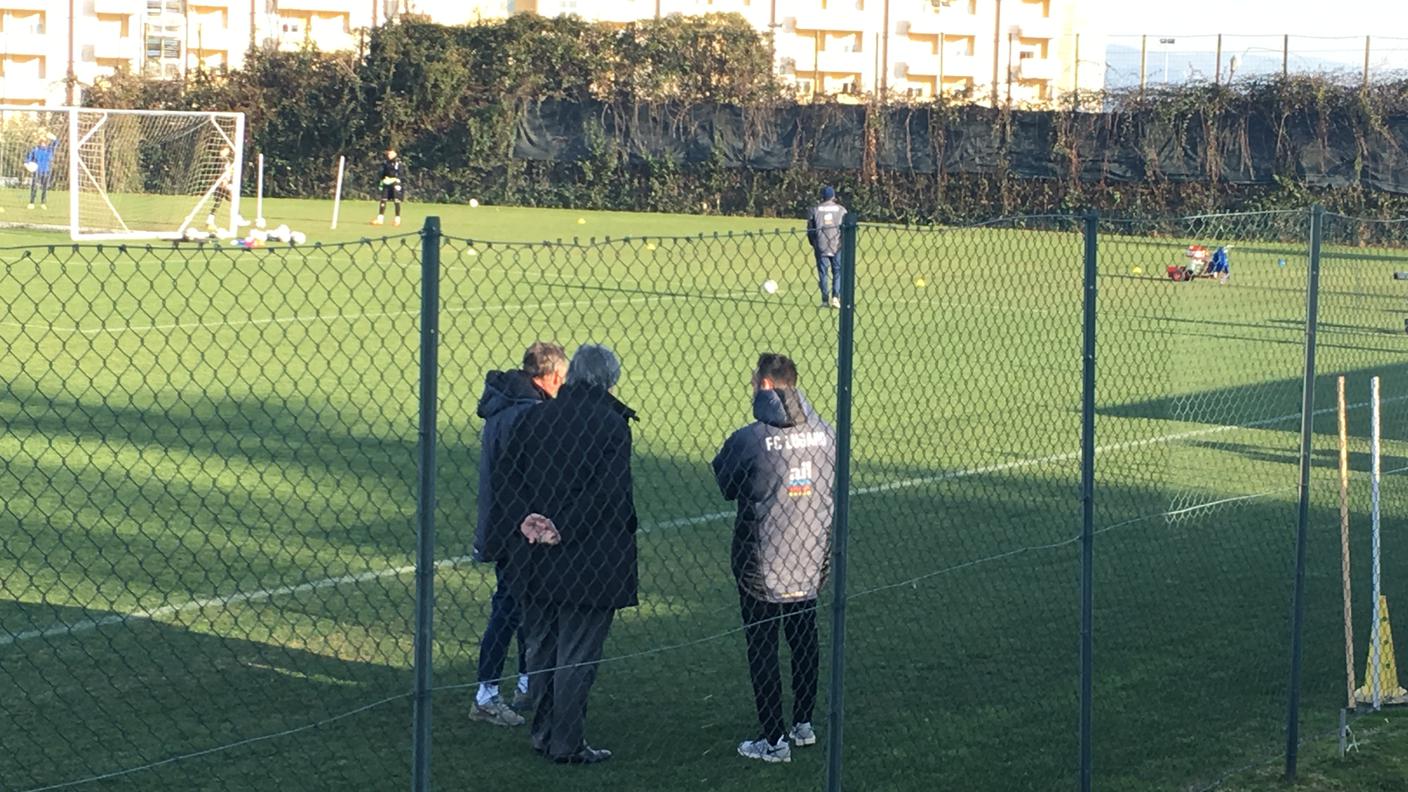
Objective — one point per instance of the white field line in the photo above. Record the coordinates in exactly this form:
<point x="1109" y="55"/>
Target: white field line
<point x="155" y="614"/>
<point x="330" y="317"/>
<point x="85" y="625"/>
<point x="82" y="626"/>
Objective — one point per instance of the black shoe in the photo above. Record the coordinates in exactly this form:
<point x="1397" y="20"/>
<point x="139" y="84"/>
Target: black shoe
<point x="584" y="755"/>
<point x="538" y="748"/>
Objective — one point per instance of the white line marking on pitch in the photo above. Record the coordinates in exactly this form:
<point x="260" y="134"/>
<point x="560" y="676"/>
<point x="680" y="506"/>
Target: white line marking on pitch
<point x="86" y="625"/>
<point x="337" y="317"/>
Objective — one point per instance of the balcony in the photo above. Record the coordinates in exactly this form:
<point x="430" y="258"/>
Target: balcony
<point x="1037" y="27"/>
<point x="26" y="89"/>
<point x="1036" y="69"/>
<point x="323" y="6"/>
<point x="113" y="7"/>
<point x="25" y="45"/>
<point x="841" y="62"/>
<point x="841" y="20"/>
<point x="117" y="47"/>
<point x="951" y="21"/>
<point x="953" y="65"/>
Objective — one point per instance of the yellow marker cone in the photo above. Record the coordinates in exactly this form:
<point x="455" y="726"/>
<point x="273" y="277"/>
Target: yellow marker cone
<point x="1388" y="688"/>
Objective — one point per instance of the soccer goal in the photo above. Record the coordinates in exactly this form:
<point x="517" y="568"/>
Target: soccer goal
<point x="120" y="174"/>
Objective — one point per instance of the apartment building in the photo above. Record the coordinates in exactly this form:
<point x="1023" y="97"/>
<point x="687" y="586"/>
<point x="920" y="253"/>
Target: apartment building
<point x="39" y="43"/>
<point x="1017" y="52"/>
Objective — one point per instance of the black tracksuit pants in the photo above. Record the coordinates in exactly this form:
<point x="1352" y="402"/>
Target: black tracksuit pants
<point x="760" y="625"/>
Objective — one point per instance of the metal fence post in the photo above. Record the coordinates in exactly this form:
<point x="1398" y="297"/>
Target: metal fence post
<point x="425" y="501"/>
<point x="1307" y="421"/>
<point x="1087" y="497"/>
<point x="845" y="359"/>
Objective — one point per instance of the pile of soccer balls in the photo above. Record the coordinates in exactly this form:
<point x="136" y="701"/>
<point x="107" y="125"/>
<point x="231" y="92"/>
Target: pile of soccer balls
<point x="256" y="238"/>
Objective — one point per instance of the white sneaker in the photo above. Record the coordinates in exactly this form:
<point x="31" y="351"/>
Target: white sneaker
<point x="802" y="734"/>
<point x="835" y="302"/>
<point x="759" y="749"/>
<point x="496" y="713"/>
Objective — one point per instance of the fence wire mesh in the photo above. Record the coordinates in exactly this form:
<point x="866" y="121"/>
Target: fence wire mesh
<point x="208" y="498"/>
<point x="211" y="478"/>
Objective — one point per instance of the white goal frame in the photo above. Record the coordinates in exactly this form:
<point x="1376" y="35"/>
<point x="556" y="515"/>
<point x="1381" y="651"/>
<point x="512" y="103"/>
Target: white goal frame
<point x="81" y="174"/>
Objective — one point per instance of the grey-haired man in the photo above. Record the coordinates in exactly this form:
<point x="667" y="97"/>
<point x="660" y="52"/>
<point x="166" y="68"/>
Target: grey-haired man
<point x="573" y="559"/>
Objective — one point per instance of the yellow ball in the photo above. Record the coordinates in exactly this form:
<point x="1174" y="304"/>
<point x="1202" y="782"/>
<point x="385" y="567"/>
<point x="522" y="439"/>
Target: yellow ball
<point x="919" y="281"/>
<point x="581" y="221"/>
<point x="1137" y="271"/>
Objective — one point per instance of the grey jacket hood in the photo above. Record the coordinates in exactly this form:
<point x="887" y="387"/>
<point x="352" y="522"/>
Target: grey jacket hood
<point x="782" y="407"/>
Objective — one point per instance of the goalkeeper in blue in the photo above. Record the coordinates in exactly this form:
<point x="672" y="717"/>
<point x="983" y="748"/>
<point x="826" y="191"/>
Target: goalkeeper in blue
<point x="390" y="188"/>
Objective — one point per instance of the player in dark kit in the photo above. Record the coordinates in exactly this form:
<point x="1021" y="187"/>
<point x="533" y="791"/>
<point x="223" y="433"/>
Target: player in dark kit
<point x="220" y="191"/>
<point x="390" y="188"/>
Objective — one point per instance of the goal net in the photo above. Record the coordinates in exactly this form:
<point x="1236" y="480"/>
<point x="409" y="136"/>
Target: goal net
<point x="120" y="174"/>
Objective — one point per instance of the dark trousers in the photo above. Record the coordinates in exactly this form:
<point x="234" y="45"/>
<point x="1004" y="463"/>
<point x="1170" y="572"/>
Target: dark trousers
<point x="504" y="624"/>
<point x="564" y="647"/>
<point x="760" y="623"/>
<point x="39" y="184"/>
<point x="834" y="263"/>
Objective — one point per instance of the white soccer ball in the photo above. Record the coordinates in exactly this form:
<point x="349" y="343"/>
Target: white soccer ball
<point x="297" y="237"/>
<point x="473" y="203"/>
<point x="31" y="166"/>
<point x="281" y="234"/>
<point x="770" y="286"/>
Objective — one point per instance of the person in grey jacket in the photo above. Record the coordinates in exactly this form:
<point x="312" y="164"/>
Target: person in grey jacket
<point x="507" y="395"/>
<point x="779" y="469"/>
<point x="824" y="232"/>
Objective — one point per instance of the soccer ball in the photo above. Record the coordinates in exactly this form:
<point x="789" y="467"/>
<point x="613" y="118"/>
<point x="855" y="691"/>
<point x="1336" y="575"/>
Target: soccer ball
<point x="297" y="237"/>
<point x="473" y="203"/>
<point x="281" y="234"/>
<point x="31" y="167"/>
<point x="770" y="286"/>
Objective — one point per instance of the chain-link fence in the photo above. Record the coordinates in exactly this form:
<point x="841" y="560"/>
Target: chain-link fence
<point x="247" y="506"/>
<point x="1154" y="61"/>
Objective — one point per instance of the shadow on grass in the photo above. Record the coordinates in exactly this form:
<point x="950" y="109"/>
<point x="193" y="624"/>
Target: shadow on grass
<point x="124" y="696"/>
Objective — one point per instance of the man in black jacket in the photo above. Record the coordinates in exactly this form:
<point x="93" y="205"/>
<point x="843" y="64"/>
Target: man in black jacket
<point x="572" y="560"/>
<point x="780" y="470"/>
<point x="507" y="395"/>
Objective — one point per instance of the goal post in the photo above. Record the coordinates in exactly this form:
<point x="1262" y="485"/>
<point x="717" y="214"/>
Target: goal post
<point x="121" y="174"/>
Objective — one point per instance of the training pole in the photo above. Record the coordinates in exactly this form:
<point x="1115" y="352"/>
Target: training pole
<point x="1375" y="688"/>
<point x="337" y="193"/>
<point x="259" y="191"/>
<point x="1344" y="545"/>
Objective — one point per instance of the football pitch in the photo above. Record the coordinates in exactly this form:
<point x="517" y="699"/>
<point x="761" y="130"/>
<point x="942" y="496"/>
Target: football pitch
<point x="209" y="491"/>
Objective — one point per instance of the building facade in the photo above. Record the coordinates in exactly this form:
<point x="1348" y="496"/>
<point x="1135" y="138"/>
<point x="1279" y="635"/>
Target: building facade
<point x="1014" y="52"/>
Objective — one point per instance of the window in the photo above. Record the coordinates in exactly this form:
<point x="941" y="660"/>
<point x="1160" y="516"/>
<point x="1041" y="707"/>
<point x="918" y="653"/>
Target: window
<point x="163" y="48"/>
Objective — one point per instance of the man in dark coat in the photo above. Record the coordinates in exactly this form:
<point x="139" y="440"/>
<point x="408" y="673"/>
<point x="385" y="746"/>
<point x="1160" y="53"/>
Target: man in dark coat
<point x="824" y="232"/>
<point x="780" y="470"/>
<point x="507" y="395"/>
<point x="573" y="558"/>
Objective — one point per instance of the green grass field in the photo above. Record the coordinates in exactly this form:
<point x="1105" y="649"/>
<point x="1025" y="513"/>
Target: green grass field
<point x="209" y="498"/>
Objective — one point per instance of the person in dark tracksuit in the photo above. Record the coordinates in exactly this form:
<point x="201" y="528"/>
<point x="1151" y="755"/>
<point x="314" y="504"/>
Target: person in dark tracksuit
<point x="507" y="395"/>
<point x="779" y="469"/>
<point x="565" y="481"/>
<point x="824" y="232"/>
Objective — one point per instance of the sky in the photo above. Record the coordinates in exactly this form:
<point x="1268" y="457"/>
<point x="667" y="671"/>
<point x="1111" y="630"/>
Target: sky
<point x="1295" y="17"/>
